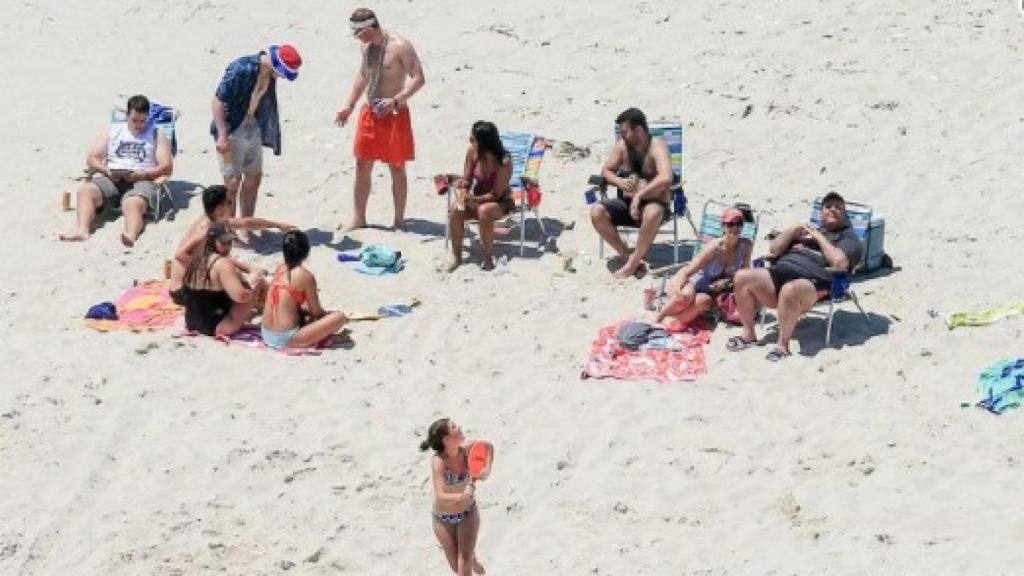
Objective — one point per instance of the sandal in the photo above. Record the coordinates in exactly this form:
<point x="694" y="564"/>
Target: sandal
<point x="737" y="343"/>
<point x="776" y="354"/>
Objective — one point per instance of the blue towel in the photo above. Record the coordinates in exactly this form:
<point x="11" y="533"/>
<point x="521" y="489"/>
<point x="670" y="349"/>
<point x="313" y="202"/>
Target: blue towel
<point x="377" y="260"/>
<point x="1002" y="386"/>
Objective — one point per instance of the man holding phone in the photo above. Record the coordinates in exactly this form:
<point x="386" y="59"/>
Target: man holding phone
<point x="390" y="74"/>
<point x="125" y="160"/>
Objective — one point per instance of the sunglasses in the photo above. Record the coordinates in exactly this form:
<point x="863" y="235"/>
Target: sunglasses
<point x="733" y="224"/>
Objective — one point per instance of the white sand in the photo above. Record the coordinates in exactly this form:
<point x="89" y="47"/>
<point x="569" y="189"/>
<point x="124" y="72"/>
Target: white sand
<point x="144" y="454"/>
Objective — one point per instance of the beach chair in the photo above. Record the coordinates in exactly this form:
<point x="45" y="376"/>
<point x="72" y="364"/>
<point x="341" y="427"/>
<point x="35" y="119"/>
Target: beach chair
<point x="672" y="134"/>
<point x="527" y="152"/>
<point x="839" y="291"/>
<point x="164" y="117"/>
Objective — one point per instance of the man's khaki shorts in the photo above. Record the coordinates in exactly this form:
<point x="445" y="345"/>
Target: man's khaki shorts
<point x="114" y="192"/>
<point x="246" y="144"/>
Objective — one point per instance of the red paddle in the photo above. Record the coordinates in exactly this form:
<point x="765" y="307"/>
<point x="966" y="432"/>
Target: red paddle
<point x="481" y="454"/>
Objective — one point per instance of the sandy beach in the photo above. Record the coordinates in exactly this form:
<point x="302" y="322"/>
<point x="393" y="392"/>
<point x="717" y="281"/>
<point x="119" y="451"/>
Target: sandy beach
<point x="127" y="454"/>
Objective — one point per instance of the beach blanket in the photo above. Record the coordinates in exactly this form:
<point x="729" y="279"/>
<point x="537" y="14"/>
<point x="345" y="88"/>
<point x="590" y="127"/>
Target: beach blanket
<point x="141" y="308"/>
<point x="1002" y="386"/>
<point x="981" y="317"/>
<point x="608" y="359"/>
<point x="376" y="261"/>
<point x="251" y="337"/>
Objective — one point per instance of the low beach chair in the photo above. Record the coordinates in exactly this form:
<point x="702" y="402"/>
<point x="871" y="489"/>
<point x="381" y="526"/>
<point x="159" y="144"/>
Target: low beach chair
<point x="672" y="134"/>
<point x="164" y="117"/>
<point x="839" y="291"/>
<point x="527" y="152"/>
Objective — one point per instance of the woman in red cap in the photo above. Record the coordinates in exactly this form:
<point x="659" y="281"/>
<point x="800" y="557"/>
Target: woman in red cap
<point x="694" y="288"/>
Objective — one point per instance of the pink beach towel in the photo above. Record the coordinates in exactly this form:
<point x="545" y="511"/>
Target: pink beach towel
<point x="607" y="359"/>
<point x="144" y="307"/>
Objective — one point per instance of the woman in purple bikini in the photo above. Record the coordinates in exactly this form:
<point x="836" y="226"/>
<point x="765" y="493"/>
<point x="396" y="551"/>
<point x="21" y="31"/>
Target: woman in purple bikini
<point x="483" y="193"/>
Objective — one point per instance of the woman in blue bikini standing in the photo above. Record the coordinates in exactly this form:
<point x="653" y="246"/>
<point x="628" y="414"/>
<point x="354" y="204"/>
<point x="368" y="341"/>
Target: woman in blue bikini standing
<point x="455" y="515"/>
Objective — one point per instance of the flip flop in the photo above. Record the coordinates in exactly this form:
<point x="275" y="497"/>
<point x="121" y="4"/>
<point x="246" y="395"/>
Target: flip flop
<point x="776" y="355"/>
<point x="737" y="343"/>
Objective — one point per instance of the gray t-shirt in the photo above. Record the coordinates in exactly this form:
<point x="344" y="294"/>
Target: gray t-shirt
<point x="805" y="260"/>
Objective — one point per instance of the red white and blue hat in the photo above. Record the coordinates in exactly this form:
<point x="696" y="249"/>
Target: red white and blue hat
<point x="286" y="60"/>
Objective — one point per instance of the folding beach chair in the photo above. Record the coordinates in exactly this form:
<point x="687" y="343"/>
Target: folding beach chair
<point x="164" y="117"/>
<point x="527" y="152"/>
<point x="672" y="134"/>
<point x="839" y="291"/>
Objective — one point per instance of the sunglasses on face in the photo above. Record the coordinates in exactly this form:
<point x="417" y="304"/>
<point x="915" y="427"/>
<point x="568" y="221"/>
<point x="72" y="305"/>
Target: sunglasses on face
<point x="733" y="224"/>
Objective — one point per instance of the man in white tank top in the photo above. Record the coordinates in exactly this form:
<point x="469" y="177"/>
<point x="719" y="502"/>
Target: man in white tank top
<point x="127" y="159"/>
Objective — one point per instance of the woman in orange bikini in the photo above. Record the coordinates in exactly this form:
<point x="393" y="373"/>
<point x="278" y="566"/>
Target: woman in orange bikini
<point x="455" y="515"/>
<point x="483" y="193"/>
<point x="291" y="296"/>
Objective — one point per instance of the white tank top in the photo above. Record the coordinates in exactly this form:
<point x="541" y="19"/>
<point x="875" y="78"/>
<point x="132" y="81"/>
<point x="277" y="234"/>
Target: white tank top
<point x="125" y="151"/>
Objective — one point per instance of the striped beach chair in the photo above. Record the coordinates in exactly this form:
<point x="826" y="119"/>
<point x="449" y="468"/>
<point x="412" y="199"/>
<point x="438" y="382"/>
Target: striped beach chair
<point x="527" y="151"/>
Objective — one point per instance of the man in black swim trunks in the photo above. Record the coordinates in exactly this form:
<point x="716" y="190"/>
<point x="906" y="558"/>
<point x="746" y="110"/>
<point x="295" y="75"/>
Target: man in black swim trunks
<point x="641" y="168"/>
<point x="804" y="260"/>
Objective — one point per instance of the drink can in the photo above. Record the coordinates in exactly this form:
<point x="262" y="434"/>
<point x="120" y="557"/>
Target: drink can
<point x="650" y="294"/>
<point x="229" y="157"/>
<point x="167" y="269"/>
<point x="65" y="200"/>
<point x="591" y="195"/>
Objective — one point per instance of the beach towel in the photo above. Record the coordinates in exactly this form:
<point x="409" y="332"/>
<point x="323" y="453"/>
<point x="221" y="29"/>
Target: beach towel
<point x="378" y="260"/>
<point x="1002" y="386"/>
<point x="251" y="337"/>
<point x="141" y="308"/>
<point x="608" y="359"/>
<point x="979" y="318"/>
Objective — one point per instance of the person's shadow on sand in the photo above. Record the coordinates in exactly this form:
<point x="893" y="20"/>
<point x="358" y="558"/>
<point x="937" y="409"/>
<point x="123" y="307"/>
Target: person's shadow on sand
<point x="849" y="328"/>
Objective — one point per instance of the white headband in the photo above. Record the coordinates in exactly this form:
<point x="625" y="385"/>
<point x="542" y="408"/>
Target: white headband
<point x="358" y="26"/>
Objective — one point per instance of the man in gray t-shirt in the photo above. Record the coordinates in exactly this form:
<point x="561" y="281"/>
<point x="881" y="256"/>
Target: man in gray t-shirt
<point x="804" y="259"/>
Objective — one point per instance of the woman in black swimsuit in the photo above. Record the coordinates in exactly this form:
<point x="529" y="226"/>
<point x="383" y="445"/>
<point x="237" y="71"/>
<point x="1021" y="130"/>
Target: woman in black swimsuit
<point x="217" y="302"/>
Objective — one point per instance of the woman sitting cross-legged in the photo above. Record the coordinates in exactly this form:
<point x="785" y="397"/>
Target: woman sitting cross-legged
<point x="291" y="297"/>
<point x="483" y="193"/>
<point x="693" y="289"/>
<point x="217" y="299"/>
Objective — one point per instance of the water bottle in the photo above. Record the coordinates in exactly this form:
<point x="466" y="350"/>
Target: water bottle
<point x="342" y="257"/>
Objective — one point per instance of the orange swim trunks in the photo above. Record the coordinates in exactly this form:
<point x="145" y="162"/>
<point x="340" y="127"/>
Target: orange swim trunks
<point x="387" y="138"/>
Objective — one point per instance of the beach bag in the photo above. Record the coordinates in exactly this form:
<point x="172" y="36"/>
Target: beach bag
<point x="727" y="308"/>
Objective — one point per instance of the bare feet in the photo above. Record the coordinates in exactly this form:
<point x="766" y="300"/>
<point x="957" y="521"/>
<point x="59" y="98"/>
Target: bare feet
<point x="355" y="225"/>
<point x="398" y="226"/>
<point x="478" y="568"/>
<point x="77" y="236"/>
<point x="488" y="264"/>
<point x="127" y="240"/>
<point x="452" y="265"/>
<point x="628" y="269"/>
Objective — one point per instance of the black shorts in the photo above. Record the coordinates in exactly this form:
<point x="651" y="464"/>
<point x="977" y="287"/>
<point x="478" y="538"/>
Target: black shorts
<point x="782" y="277"/>
<point x="618" y="209"/>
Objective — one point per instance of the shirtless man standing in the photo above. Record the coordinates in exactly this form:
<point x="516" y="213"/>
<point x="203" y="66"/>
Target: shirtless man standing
<point x="390" y="74"/>
<point x="641" y="168"/>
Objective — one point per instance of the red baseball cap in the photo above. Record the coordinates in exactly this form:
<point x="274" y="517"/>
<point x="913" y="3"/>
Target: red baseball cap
<point x="285" y="60"/>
